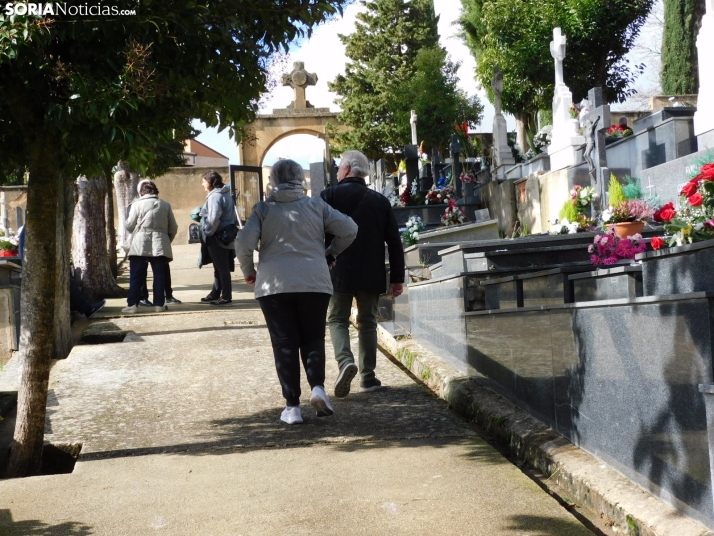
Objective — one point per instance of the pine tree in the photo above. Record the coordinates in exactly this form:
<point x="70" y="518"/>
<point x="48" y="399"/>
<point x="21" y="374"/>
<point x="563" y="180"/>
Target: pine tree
<point x="680" y="69"/>
<point x="376" y="91"/>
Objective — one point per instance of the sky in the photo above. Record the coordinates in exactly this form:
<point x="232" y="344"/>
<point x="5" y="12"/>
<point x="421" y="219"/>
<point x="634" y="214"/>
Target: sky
<point x="323" y="54"/>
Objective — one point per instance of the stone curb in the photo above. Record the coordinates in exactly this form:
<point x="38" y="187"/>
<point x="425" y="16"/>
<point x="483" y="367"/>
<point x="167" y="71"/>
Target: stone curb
<point x="587" y="481"/>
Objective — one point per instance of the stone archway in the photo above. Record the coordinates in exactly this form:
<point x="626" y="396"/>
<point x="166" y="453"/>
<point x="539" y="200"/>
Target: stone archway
<point x="300" y="117"/>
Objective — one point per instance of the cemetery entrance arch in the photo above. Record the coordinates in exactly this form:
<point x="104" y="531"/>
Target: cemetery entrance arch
<point x="300" y="117"/>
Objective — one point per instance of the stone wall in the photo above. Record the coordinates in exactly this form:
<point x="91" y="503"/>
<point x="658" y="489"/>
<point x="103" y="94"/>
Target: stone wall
<point x="15" y="196"/>
<point x="500" y="198"/>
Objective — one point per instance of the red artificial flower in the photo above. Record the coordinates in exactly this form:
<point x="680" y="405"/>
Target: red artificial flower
<point x="696" y="200"/>
<point x="706" y="172"/>
<point x="465" y="128"/>
<point x="657" y="243"/>
<point x="690" y="188"/>
<point x="457" y="128"/>
<point x="665" y="214"/>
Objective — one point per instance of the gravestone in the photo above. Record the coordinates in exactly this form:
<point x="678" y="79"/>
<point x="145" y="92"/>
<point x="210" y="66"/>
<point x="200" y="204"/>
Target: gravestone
<point x="481" y="215"/>
<point x="194" y="234"/>
<point x="317" y="178"/>
<point x="455" y="151"/>
<point x="411" y="159"/>
<point x="501" y="154"/>
<point x="565" y="139"/>
<point x="595" y="123"/>
<point x="380" y="171"/>
<point x="437" y="169"/>
<point x="704" y="118"/>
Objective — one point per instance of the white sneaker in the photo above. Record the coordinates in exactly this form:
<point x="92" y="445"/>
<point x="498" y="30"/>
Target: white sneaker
<point x="319" y="401"/>
<point x="161" y="308"/>
<point x="291" y="415"/>
<point x="131" y="309"/>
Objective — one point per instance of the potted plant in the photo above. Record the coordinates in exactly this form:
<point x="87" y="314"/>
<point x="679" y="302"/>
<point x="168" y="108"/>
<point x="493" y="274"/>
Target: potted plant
<point x="626" y="215"/>
<point x="9" y="243"/>
<point x="611" y="248"/>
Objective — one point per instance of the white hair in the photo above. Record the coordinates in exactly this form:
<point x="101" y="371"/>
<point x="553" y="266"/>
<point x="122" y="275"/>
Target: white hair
<point x="359" y="165"/>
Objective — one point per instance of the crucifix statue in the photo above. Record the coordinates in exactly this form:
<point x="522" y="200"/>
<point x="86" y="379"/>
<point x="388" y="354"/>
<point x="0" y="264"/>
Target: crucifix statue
<point x="557" y="50"/>
<point x="595" y="123"/>
<point x="299" y="79"/>
<point x="497" y="85"/>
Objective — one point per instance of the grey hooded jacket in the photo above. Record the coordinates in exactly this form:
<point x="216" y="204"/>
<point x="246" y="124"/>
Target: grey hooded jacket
<point x="291" y="230"/>
<point x="218" y="212"/>
<point x="155" y="226"/>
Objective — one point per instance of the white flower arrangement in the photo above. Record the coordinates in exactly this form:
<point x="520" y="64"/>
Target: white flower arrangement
<point x="563" y="227"/>
<point x="414" y="226"/>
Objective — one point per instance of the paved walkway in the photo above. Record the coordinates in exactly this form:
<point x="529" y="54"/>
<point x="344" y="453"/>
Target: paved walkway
<point x="180" y="433"/>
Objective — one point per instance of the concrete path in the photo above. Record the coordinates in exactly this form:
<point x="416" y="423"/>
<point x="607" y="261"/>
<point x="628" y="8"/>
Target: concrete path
<point x="180" y="433"/>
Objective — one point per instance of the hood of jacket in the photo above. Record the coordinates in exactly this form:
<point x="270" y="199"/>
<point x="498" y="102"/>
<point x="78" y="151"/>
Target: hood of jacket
<point x="284" y="193"/>
<point x="220" y="191"/>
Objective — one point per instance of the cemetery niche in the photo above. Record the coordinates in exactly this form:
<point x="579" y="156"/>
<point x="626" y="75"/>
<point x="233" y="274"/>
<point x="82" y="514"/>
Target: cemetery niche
<point x="614" y="353"/>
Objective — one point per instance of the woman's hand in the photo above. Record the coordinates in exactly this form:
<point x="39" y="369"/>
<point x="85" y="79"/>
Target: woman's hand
<point x="250" y="280"/>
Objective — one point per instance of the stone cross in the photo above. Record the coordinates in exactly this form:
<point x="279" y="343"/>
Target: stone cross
<point x="595" y="124"/>
<point x="557" y="50"/>
<point x="455" y="152"/>
<point x="299" y="79"/>
<point x="413" y="121"/>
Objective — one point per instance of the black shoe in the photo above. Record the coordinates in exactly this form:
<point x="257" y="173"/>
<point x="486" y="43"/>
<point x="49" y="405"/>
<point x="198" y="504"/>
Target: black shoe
<point x="221" y="301"/>
<point x="94" y="309"/>
<point x="344" y="379"/>
<point x="172" y="300"/>
<point x="208" y="298"/>
<point x="146" y="303"/>
<point x="369" y="386"/>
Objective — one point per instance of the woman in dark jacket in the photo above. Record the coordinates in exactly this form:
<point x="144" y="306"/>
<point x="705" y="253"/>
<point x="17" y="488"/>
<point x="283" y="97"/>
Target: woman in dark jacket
<point x="217" y="214"/>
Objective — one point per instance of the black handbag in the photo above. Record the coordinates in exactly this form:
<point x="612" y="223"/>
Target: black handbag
<point x="228" y="234"/>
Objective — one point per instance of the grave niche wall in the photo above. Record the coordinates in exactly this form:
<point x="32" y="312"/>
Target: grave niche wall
<point x="555" y="191"/>
<point x="500" y="199"/>
<point x="587" y="371"/>
<point x="529" y="209"/>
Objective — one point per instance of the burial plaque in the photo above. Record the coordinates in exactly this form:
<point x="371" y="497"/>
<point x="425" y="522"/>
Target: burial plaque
<point x="194" y="234"/>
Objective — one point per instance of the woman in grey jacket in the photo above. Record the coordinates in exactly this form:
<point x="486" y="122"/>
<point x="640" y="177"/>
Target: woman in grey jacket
<point x="153" y="226"/>
<point x="218" y="213"/>
<point x="292" y="283"/>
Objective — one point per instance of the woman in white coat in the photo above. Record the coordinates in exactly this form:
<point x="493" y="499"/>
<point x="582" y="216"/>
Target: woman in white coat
<point x="153" y="227"/>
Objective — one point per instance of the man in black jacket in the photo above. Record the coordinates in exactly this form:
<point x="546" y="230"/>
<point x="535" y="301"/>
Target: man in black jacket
<point x="360" y="271"/>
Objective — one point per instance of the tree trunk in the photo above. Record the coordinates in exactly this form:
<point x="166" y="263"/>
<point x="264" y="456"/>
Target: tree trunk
<point x="524" y="123"/>
<point x="63" y="319"/>
<point x="125" y="183"/>
<point x="89" y="240"/>
<point x="109" y="223"/>
<point x="39" y="276"/>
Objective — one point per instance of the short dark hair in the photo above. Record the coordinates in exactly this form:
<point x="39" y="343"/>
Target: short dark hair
<point x="149" y="188"/>
<point x="213" y="179"/>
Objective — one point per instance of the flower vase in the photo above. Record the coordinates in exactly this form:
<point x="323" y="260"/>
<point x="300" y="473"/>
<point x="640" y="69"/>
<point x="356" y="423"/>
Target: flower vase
<point x="468" y="189"/>
<point x="627" y="228"/>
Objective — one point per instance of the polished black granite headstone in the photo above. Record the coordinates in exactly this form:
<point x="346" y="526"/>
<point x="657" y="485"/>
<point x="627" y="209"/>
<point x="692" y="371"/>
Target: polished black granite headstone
<point x="618" y="378"/>
<point x="678" y="270"/>
<point x="622" y="282"/>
